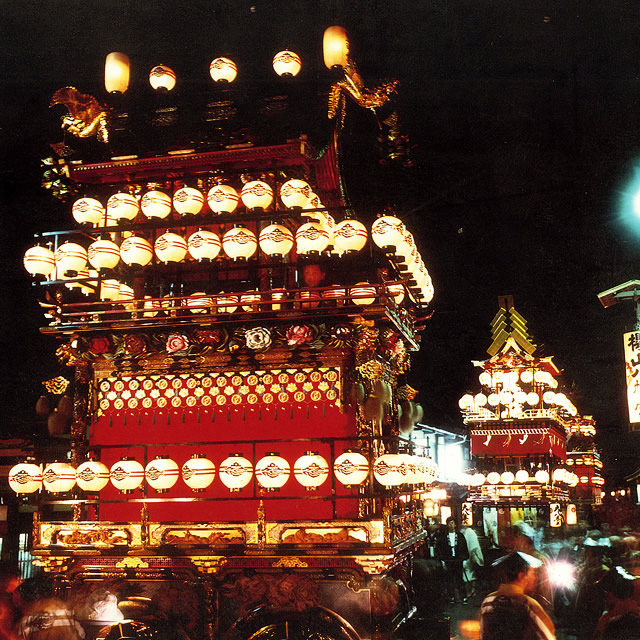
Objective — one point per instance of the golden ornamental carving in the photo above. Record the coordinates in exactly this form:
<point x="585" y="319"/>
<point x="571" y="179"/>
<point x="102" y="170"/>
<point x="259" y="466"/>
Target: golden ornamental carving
<point x="290" y="562"/>
<point x="374" y="565"/>
<point x="372" y="370"/>
<point x="56" y="385"/>
<point x="132" y="563"/>
<point x="209" y="564"/>
<point x="53" y="564"/>
<point x="86" y="117"/>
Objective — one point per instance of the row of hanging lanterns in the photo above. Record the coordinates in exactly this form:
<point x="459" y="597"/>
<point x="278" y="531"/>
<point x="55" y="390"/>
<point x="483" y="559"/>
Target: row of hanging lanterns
<point x="522" y="476"/>
<point x="272" y="472"/>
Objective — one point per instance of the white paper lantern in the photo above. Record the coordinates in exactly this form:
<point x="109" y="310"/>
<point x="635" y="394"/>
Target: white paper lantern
<point x="126" y="294"/>
<point x="311" y="470"/>
<point x="542" y="476"/>
<point x="103" y="254"/>
<point x="349" y="236"/>
<point x="312" y="237"/>
<point x="204" y="245"/>
<point x="391" y="469"/>
<point x="249" y="301"/>
<point x="70" y="258"/>
<point x="123" y="206"/>
<point x="287" y="63"/>
<point x="162" y="77"/>
<point x="198" y="472"/>
<point x="493" y="477"/>
<point x="223" y="70"/>
<point x="387" y="232"/>
<point x="522" y="476"/>
<point x="226" y="303"/>
<point x="477" y="479"/>
<point x="170" y="247"/>
<point x="235" y="472"/>
<point x="351" y="468"/>
<point x="126" y="475"/>
<point x="199" y="302"/>
<point x="39" y="261"/>
<point x="87" y="211"/>
<point x="295" y="193"/>
<point x="239" y="243"/>
<point x="272" y="472"/>
<point x="161" y="473"/>
<point x="338" y="294"/>
<point x="276" y="240"/>
<point x="363" y="293"/>
<point x="109" y="289"/>
<point x="223" y="198"/>
<point x="92" y="476"/>
<point x="25" y="477"/>
<point x="151" y="307"/>
<point x="431" y="470"/>
<point x="507" y="477"/>
<point x="397" y="292"/>
<point x="188" y="201"/>
<point x="480" y="400"/>
<point x="59" y="477"/>
<point x="155" y="204"/>
<point x="116" y="72"/>
<point x="136" y="250"/>
<point x="256" y="195"/>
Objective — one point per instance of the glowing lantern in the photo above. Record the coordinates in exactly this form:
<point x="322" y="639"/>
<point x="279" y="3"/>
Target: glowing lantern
<point x="248" y="301"/>
<point x="123" y="206"/>
<point x="429" y="508"/>
<point x="58" y="477"/>
<point x="335" y="47"/>
<point x="390" y="469"/>
<point x="152" y="307"/>
<point x="363" y="293"/>
<point x="312" y="237"/>
<point x="136" y="250"/>
<point x="334" y="293"/>
<point x="239" y="243"/>
<point x="485" y="378"/>
<point x="103" y="254"/>
<point x="522" y="476"/>
<point x="198" y="472"/>
<point x="25" y="477"/>
<point x="526" y="376"/>
<point x="351" y="468"/>
<point x="162" y="473"/>
<point x="311" y="470"/>
<point x="396" y="291"/>
<point x="204" y="245"/>
<point x="126" y="475"/>
<point x="276" y="240"/>
<point x="222" y="198"/>
<point x="533" y="398"/>
<point x="559" y="475"/>
<point x="430" y="470"/>
<point x="199" y="302"/>
<point x="226" y="303"/>
<point x="223" y="70"/>
<point x="287" y="63"/>
<point x="493" y="399"/>
<point x="188" y="200"/>
<point x="572" y="514"/>
<point x="155" y="204"/>
<point x="39" y="261"/>
<point x="295" y="193"/>
<point x="272" y="471"/>
<point x="542" y="476"/>
<point x="507" y="477"/>
<point x="109" y="289"/>
<point x="349" y="236"/>
<point x="126" y="294"/>
<point x="387" y="232"/>
<point x="162" y="77"/>
<point x="477" y="479"/>
<point x="116" y="72"/>
<point x="480" y="400"/>
<point x="256" y="195"/>
<point x="92" y="476"/>
<point x="493" y="477"/>
<point x="466" y="402"/>
<point x="235" y="472"/>
<point x="170" y="247"/>
<point x="70" y="258"/>
<point x="87" y="211"/>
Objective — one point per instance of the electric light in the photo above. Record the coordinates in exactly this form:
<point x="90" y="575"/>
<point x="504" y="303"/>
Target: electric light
<point x="276" y="240"/>
<point x="223" y="70"/>
<point x="162" y="77"/>
<point x="272" y="471"/>
<point x="152" y="307"/>
<point x="466" y="401"/>
<point x="295" y="193"/>
<point x="92" y="476"/>
<point x="349" y="236"/>
<point x="103" y="254"/>
<point x="116" y="72"/>
<point x="123" y="206"/>
<point x="235" y="472"/>
<point x="170" y="247"/>
<point x="126" y="294"/>
<point x="387" y="232"/>
<point x="239" y="243"/>
<point x="363" y="293"/>
<point x="70" y="258"/>
<point x="311" y="237"/>
<point x="161" y="473"/>
<point x="188" y="200"/>
<point x="559" y="475"/>
<point x="542" y="476"/>
<point x="405" y="249"/>
<point x="59" y="477"/>
<point x="506" y="397"/>
<point x="390" y="469"/>
<point x="335" y="47"/>
<point x="25" y="477"/>
<point x="477" y="479"/>
<point x="493" y="477"/>
<point x="204" y="245"/>
<point x="87" y="211"/>
<point x="311" y="470"/>
<point x="198" y="472"/>
<point x="223" y="198"/>
<point x="126" y="475"/>
<point x="136" y="250"/>
<point x="549" y="397"/>
<point x="155" y="204"/>
<point x="256" y="195"/>
<point x="485" y="378"/>
<point x="287" y="63"/>
<point x="522" y="476"/>
<point x="39" y="260"/>
<point x="351" y="468"/>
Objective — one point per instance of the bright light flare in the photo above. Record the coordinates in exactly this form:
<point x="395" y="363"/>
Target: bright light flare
<point x="562" y="574"/>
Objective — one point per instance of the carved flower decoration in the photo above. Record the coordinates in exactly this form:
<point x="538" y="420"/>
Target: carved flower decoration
<point x="299" y="334"/>
<point x="99" y="345"/>
<point x="207" y="336"/>
<point x="258" y="338"/>
<point x="177" y="342"/>
<point x="133" y="345"/>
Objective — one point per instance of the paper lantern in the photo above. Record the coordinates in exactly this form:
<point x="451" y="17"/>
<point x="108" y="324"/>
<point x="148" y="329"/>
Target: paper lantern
<point x="335" y="47"/>
<point x="311" y="470"/>
<point x="188" y="201"/>
<point x="103" y="254"/>
<point x="92" y="476"/>
<point x="198" y="472"/>
<point x="295" y="193"/>
<point x="123" y="206"/>
<point x="223" y="198"/>
<point x="239" y="243"/>
<point x="204" y="245"/>
<point x="235" y="472"/>
<point x="363" y="293"/>
<point x="559" y="475"/>
<point x="162" y="77"/>
<point x="351" y="468"/>
<point x="126" y="294"/>
<point x="533" y="398"/>
<point x="390" y="469"/>
<point x="39" y="260"/>
<point x="248" y="301"/>
<point x="70" y="258"/>
<point x="87" y="211"/>
<point x="493" y="399"/>
<point x="170" y="247"/>
<point x="396" y="291"/>
<point x="542" y="476"/>
<point x="161" y="473"/>
<point x="136" y="250"/>
<point x="226" y="303"/>
<point x="349" y="236"/>
<point x="493" y="477"/>
<point x="199" y="302"/>
<point x="116" y="72"/>
<point x="477" y="479"/>
<point x="337" y="294"/>
<point x="522" y="476"/>
<point x="287" y="63"/>
<point x="431" y="470"/>
<point x="256" y="195"/>
<point x="25" y="477"/>
<point x="109" y="289"/>
<point x="223" y="70"/>
<point x="507" y="477"/>
<point x="272" y="472"/>
<point x="311" y="237"/>
<point x="155" y="204"/>
<point x="276" y="296"/>
<point x="59" y="477"/>
<point x="480" y="400"/>
<point x="151" y="307"/>
<point x="126" y="475"/>
<point x="387" y="232"/>
<point x="276" y="240"/>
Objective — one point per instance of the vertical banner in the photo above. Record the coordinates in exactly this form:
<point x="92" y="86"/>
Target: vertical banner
<point x="556" y="515"/>
<point x="467" y="515"/>
<point x="632" y="374"/>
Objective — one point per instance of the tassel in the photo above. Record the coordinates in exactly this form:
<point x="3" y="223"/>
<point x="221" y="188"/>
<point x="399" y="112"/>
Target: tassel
<point x="168" y="418"/>
<point x="198" y="417"/>
<point x="183" y="417"/>
<point x="244" y="417"/>
<point x="291" y="414"/>
<point x="307" y="412"/>
<point x="275" y="413"/>
<point x="153" y="418"/>
<point x="139" y="418"/>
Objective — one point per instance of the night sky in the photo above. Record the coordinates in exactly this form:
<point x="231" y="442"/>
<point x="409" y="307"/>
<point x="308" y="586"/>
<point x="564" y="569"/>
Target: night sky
<point x="524" y="120"/>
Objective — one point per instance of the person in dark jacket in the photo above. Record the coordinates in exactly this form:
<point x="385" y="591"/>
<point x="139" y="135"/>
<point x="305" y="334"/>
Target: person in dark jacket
<point x="453" y="551"/>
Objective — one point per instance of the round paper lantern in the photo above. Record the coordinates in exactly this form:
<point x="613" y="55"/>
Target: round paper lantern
<point x="533" y="398"/>
<point x="351" y="468"/>
<point x="103" y="254"/>
<point x="335" y="47"/>
<point x="239" y="243"/>
<point x="311" y="237"/>
<point x="396" y="291"/>
<point x="152" y="307"/>
<point x="199" y="302"/>
<point x="387" y="232"/>
<point x="287" y="63"/>
<point x="170" y="247"/>
<point x="198" y="472"/>
<point x="188" y="200"/>
<point x="493" y="477"/>
<point x="256" y="195"/>
<point x="506" y="477"/>
<point x="235" y="472"/>
<point x="223" y="198"/>
<point x="390" y="469"/>
<point x="431" y="470"/>
<point x="349" y="236"/>
<point x="87" y="211"/>
<point x="126" y="294"/>
<point x="126" y="475"/>
<point x="25" y="477"/>
<point x="161" y="473"/>
<point x="162" y="77"/>
<point x="116" y="72"/>
<point x="406" y="248"/>
<point x="295" y="193"/>
<point x="313" y="202"/>
<point x="522" y="476"/>
<point x="70" y="258"/>
<point x="155" y="204"/>
<point x="477" y="479"/>
<point x="363" y="293"/>
<point x="542" y="476"/>
<point x="223" y="70"/>
<point x="58" y="477"/>
<point x="480" y="400"/>
<point x="109" y="289"/>
<point x="272" y="472"/>
<point x="311" y="470"/>
<point x="39" y="261"/>
<point x="204" y="245"/>
<point x="226" y="303"/>
<point x="123" y="206"/>
<point x="493" y="399"/>
<point x="276" y="240"/>
<point x="92" y="476"/>
<point x="559" y="475"/>
<point x="136" y="250"/>
<point x="249" y="300"/>
<point x="335" y="293"/>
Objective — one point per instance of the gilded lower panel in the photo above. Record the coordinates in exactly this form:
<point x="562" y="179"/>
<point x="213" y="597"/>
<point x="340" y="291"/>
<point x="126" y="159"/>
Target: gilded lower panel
<point x="101" y="535"/>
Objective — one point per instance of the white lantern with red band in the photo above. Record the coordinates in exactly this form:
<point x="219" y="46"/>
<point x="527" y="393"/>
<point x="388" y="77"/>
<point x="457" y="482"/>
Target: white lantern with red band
<point x="349" y="236"/>
<point x="199" y="302"/>
<point x="109" y="289"/>
<point x="39" y="260"/>
<point x="311" y="470"/>
<point x="204" y="245"/>
<point x="87" y="211"/>
<point x="272" y="471"/>
<point x="249" y="301"/>
<point x="92" y="475"/>
<point x="103" y="254"/>
<point x="226" y="303"/>
<point x="126" y="475"/>
<point x="239" y="243"/>
<point x="256" y="195"/>
<point x="188" y="201"/>
<point x="170" y="247"/>
<point x="276" y="240"/>
<point x="123" y="206"/>
<point x="59" y="477"/>
<point x="136" y="250"/>
<point x="70" y="258"/>
<point x="295" y="194"/>
<point x="235" y="472"/>
<point x="363" y="293"/>
<point x="155" y="204"/>
<point x="287" y="63"/>
<point x="223" y="198"/>
<point x="198" y="472"/>
<point x="162" y="77"/>
<point x="25" y="477"/>
<point x="161" y="473"/>
<point x="312" y="237"/>
<point x="387" y="232"/>
<point x="391" y="469"/>
<point x="351" y="468"/>
<point x="223" y="70"/>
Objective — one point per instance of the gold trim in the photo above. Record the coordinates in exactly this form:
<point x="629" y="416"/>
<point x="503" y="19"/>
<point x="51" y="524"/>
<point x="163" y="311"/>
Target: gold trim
<point x="132" y="562"/>
<point x="374" y="564"/>
<point x="290" y="562"/>
<point x="209" y="564"/>
<point x="53" y="564"/>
